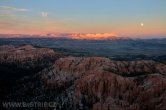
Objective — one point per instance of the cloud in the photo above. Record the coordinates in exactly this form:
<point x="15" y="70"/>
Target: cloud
<point x="44" y="14"/>
<point x="8" y="8"/>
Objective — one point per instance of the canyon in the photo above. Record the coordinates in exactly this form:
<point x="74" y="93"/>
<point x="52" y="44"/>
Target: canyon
<point x="81" y="83"/>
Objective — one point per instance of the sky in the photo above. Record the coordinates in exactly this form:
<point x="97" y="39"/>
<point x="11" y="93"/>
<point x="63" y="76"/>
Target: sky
<point x="131" y="18"/>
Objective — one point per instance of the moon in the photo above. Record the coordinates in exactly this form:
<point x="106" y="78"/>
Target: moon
<point x="142" y="24"/>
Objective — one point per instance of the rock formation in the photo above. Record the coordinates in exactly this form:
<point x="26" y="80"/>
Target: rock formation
<point x="27" y="55"/>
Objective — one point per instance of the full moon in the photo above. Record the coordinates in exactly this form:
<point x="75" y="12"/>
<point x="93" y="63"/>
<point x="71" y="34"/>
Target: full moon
<point x="142" y="24"/>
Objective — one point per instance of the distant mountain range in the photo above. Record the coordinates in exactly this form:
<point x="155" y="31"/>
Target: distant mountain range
<point x="80" y="36"/>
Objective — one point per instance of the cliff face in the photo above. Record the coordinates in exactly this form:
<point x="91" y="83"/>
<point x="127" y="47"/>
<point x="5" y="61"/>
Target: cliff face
<point x="96" y="83"/>
<point x="108" y="91"/>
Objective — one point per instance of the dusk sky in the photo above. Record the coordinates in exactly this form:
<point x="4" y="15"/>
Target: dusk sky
<point x="118" y="17"/>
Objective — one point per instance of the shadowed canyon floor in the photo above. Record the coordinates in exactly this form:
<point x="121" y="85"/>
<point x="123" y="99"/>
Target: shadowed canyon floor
<point x="81" y="83"/>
